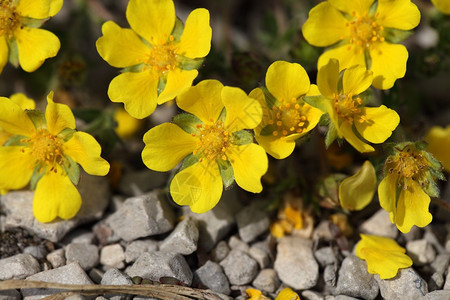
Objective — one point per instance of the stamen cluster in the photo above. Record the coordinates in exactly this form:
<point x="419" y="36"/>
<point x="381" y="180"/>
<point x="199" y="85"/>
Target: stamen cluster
<point x="214" y="141"/>
<point x="289" y="118"/>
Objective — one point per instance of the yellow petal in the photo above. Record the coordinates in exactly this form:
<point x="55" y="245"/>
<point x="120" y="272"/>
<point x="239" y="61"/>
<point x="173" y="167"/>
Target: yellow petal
<point x="360" y="7"/>
<point x="16" y="167"/>
<point x="385" y="263"/>
<point x="356" y="192"/>
<point x="348" y="55"/>
<point x="14" y="120"/>
<point x="23" y="101"/>
<point x="287" y="294"/>
<point x="327" y="79"/>
<point x="55" y="196"/>
<point x="4" y="52"/>
<point x="243" y="112"/>
<point x="199" y="186"/>
<point x="127" y="126"/>
<point x="55" y="7"/>
<point x="412" y="208"/>
<point x="287" y="80"/>
<point x="195" y="41"/>
<point x="152" y="19"/>
<point x="399" y="14"/>
<point x="438" y="140"/>
<point x="36" y="9"/>
<point x="387" y="193"/>
<point x="356" y="80"/>
<point x="249" y="165"/>
<point x="442" y="5"/>
<point x="377" y="242"/>
<point x="377" y="123"/>
<point x="177" y="82"/>
<point x="388" y="64"/>
<point x="275" y="146"/>
<point x="312" y="115"/>
<point x="253" y="294"/>
<point x="85" y="150"/>
<point x="35" y="46"/>
<point x="203" y="100"/>
<point x="163" y="139"/>
<point x="325" y="25"/>
<point x="138" y="91"/>
<point x="111" y="46"/>
<point x="58" y="116"/>
<point x="347" y="132"/>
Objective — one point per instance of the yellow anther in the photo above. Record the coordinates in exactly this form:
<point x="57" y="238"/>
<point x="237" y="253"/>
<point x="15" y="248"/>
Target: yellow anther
<point x="279" y="123"/>
<point x="285" y="132"/>
<point x="275" y="133"/>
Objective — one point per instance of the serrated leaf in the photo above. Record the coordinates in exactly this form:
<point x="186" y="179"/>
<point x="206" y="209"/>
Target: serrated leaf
<point x="226" y="171"/>
<point x="331" y="135"/>
<point x="38" y="173"/>
<point x="37" y="117"/>
<point x="16" y="140"/>
<point x="187" y="122"/>
<point x="396" y="36"/>
<point x="267" y="130"/>
<point x="242" y="137"/>
<point x="317" y="102"/>
<point x="72" y="169"/>
<point x="271" y="101"/>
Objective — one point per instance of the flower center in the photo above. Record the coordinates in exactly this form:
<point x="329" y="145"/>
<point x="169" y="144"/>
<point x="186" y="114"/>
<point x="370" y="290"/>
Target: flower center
<point x="347" y="107"/>
<point x="214" y="141"/>
<point x="9" y="19"/>
<point x="408" y="164"/>
<point x="290" y="118"/>
<point x="162" y="57"/>
<point x="364" y="31"/>
<point x="46" y="148"/>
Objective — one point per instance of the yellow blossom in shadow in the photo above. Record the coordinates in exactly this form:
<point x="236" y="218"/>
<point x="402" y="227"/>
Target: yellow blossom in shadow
<point x="438" y="139"/>
<point x="382" y="255"/>
<point x="213" y="143"/>
<point x="21" y="41"/>
<point x="286" y="116"/>
<point x="25" y="103"/>
<point x="287" y="294"/>
<point x="127" y="126"/>
<point x="410" y="174"/>
<point x="289" y="219"/>
<point x="364" y="32"/>
<point x="341" y="98"/>
<point x="254" y="294"/>
<point x="45" y="150"/>
<point x="442" y="5"/>
<point x="159" y="54"/>
<point x="341" y="221"/>
<point x="356" y="192"/>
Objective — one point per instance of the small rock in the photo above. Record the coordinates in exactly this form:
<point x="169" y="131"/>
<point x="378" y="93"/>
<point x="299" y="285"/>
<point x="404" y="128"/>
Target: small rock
<point x="96" y="275"/>
<point x="154" y="265"/>
<point x="415" y="233"/>
<point x="323" y="231"/>
<point x="325" y="256"/>
<point x="10" y="295"/>
<point x="421" y="252"/>
<point x="447" y="280"/>
<point x="138" y="247"/>
<point x="112" y="256"/>
<point x="406" y="285"/>
<point x="261" y="256"/>
<point x="211" y="275"/>
<point x="18" y="266"/>
<point x="142" y="216"/>
<point x="239" y="267"/>
<point x="267" y="280"/>
<point x="380" y="224"/>
<point x="183" y="239"/>
<point x="329" y="275"/>
<point x="68" y="274"/>
<point x="37" y="252"/>
<point x="355" y="281"/>
<point x="237" y="244"/>
<point x="431" y="234"/>
<point x="84" y="254"/>
<point x="252" y="221"/>
<point x="295" y="263"/>
<point x="441" y="263"/>
<point x="220" y="251"/>
<point x="57" y="258"/>
<point x="136" y="183"/>
<point x="114" y="277"/>
<point x="438" y="295"/>
<point x="311" y="295"/>
<point x="436" y="282"/>
<point x="80" y="236"/>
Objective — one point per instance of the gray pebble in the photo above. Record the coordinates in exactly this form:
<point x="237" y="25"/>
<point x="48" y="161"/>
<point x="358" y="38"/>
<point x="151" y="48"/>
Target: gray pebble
<point x="267" y="280"/>
<point x="329" y="275"/>
<point x="325" y="256"/>
<point x="18" y="266"/>
<point x="380" y="224"/>
<point x="81" y="236"/>
<point x="220" y="251"/>
<point x="438" y="295"/>
<point x="239" y="267"/>
<point x="114" y="277"/>
<point x="183" y="239"/>
<point x="261" y="256"/>
<point x="355" y="281"/>
<point x="236" y="243"/>
<point x="37" y="252"/>
<point x="252" y="221"/>
<point x="311" y="295"/>
<point x="138" y="247"/>
<point x="112" y="256"/>
<point x="441" y="263"/>
<point x="136" y="183"/>
<point x="84" y="254"/>
<point x="96" y="275"/>
<point x="406" y="285"/>
<point x="436" y="282"/>
<point x="447" y="280"/>
<point x="211" y="275"/>
<point x="421" y="252"/>
<point x="57" y="258"/>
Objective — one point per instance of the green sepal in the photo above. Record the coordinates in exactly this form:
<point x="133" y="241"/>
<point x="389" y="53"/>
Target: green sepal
<point x="66" y="134"/>
<point x="178" y="29"/>
<point x="422" y="145"/>
<point x="33" y="23"/>
<point x="396" y="36"/>
<point x="242" y="137"/>
<point x="340" y="85"/>
<point x="324" y="120"/>
<point x="373" y="9"/>
<point x="13" y="55"/>
<point x="161" y="85"/>
<point x="188" y="64"/>
<point x="271" y="101"/>
<point x="267" y="130"/>
<point x="37" y="117"/>
<point x="431" y="187"/>
<point x="189" y="161"/>
<point x="223" y="116"/>
<point x="331" y="135"/>
<point x="187" y="122"/>
<point x="133" y="69"/>
<point x="226" y="171"/>
<point x="367" y="59"/>
<point x="38" y="173"/>
<point x="316" y="101"/>
<point x="16" y="140"/>
<point x="72" y="169"/>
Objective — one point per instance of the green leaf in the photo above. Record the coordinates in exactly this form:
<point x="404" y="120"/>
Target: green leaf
<point x="226" y="171"/>
<point x="38" y="172"/>
<point x="317" y="102"/>
<point x="189" y="161"/>
<point x="187" y="122"/>
<point x="72" y="169"/>
<point x="331" y="135"/>
<point x="16" y="140"/>
<point x="242" y="137"/>
<point x="37" y="117"/>
<point x="271" y="101"/>
<point x="267" y="130"/>
<point x="396" y="36"/>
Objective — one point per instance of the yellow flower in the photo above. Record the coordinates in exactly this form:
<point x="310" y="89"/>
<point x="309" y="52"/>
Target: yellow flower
<point x="21" y="41"/>
<point x="356" y="192"/>
<point x="342" y="100"/>
<point x="286" y="117"/>
<point x="160" y="56"/>
<point x="442" y="5"/>
<point x="438" y="140"/>
<point x="211" y="137"/>
<point x="287" y="294"/>
<point x="25" y="103"/>
<point x="254" y="294"/>
<point x="382" y="255"/>
<point x="289" y="218"/>
<point x="127" y="126"/>
<point x="45" y="150"/>
<point x="364" y="32"/>
<point x="410" y="181"/>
